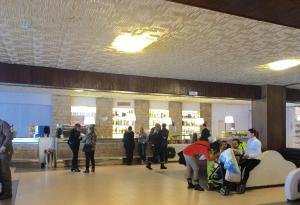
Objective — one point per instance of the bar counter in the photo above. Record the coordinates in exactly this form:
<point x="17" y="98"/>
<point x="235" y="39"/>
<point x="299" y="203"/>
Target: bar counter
<point x="105" y="149"/>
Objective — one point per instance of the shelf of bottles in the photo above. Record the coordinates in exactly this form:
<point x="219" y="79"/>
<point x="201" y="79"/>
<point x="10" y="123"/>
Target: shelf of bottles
<point x="122" y="118"/>
<point x="158" y="116"/>
<point x="190" y="123"/>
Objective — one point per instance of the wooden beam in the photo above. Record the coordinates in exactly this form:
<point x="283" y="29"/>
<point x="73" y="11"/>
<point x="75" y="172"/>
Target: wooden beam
<point x="282" y="12"/>
<point x="62" y="78"/>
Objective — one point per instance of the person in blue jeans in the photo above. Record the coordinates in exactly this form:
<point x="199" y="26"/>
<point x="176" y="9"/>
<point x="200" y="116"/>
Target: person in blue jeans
<point x="142" y="144"/>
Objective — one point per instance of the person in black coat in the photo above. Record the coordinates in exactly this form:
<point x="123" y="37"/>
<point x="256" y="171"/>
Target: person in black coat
<point x="205" y="133"/>
<point x="129" y="144"/>
<point x="6" y="151"/>
<point x="156" y="139"/>
<point x="74" y="143"/>
<point x="164" y="144"/>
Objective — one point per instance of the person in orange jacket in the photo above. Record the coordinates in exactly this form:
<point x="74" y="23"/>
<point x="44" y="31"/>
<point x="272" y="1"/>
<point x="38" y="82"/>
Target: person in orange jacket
<point x="191" y="154"/>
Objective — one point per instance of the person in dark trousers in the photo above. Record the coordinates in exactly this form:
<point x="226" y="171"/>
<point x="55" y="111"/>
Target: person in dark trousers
<point x="6" y="151"/>
<point x="89" y="149"/>
<point x="142" y="144"/>
<point x="164" y="144"/>
<point x="74" y="143"/>
<point x="156" y="140"/>
<point x="205" y="133"/>
<point x="251" y="157"/>
<point x="128" y="139"/>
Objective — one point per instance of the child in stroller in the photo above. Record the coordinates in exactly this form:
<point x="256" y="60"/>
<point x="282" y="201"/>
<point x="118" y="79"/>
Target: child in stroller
<point x="226" y="175"/>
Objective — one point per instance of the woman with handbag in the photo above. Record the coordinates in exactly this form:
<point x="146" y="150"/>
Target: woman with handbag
<point x="89" y="149"/>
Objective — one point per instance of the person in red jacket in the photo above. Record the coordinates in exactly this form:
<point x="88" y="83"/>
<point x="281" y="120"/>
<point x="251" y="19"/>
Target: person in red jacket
<point x="191" y="154"/>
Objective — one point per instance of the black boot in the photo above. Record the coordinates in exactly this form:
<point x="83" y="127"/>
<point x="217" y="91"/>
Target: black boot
<point x="5" y="196"/>
<point x="190" y="184"/>
<point x="149" y="166"/>
<point x="198" y="187"/>
<point x="162" y="166"/>
<point x="7" y="191"/>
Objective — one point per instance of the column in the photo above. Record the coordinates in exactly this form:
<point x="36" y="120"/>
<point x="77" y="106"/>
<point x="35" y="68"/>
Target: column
<point x="205" y="112"/>
<point x="61" y="111"/>
<point x="269" y="117"/>
<point x="104" y="117"/>
<point x="141" y="109"/>
<point x="175" y="112"/>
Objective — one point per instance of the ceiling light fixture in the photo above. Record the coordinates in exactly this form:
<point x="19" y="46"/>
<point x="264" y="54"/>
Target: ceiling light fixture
<point x="78" y="91"/>
<point x="281" y="64"/>
<point x="131" y="43"/>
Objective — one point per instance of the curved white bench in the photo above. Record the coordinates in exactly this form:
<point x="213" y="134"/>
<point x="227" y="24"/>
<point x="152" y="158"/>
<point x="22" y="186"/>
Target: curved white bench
<point x="292" y="186"/>
<point x="272" y="170"/>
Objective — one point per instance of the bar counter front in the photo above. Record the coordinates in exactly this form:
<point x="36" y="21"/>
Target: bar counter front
<point x="27" y="149"/>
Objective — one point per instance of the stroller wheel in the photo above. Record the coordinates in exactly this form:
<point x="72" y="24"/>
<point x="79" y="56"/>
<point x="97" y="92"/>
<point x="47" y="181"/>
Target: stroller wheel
<point x="224" y="191"/>
<point x="210" y="187"/>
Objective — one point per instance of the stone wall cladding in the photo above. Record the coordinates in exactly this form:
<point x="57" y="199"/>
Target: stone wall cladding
<point x="61" y="111"/>
<point x="175" y="112"/>
<point x="104" y="108"/>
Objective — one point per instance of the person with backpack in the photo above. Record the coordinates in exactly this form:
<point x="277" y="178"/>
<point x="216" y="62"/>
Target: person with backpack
<point x="156" y="140"/>
<point x="6" y="152"/>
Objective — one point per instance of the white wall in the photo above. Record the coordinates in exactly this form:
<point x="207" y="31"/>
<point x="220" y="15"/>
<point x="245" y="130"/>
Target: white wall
<point x="25" y="109"/>
<point x="292" y="126"/>
<point x="240" y="113"/>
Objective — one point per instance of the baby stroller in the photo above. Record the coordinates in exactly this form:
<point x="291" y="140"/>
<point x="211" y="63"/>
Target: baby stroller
<point x="226" y="175"/>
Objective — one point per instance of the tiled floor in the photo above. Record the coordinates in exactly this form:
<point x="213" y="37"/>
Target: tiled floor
<point x="123" y="185"/>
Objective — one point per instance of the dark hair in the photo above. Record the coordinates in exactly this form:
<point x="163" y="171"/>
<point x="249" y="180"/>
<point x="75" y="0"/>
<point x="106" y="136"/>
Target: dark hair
<point x="77" y="125"/>
<point x="254" y="132"/>
<point x="204" y="125"/>
<point x="130" y="128"/>
<point x="236" y="139"/>
<point x="203" y="138"/>
<point x="215" y="146"/>
<point x="47" y="130"/>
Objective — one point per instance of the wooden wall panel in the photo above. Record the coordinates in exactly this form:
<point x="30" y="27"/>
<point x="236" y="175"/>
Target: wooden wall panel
<point x="269" y="117"/>
<point x="62" y="78"/>
<point x="282" y="12"/>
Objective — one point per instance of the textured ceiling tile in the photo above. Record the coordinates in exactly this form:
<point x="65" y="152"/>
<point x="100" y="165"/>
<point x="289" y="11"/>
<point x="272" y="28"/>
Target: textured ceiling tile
<point x="196" y="44"/>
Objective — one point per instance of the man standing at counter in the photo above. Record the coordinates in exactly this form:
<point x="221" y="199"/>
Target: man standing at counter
<point x="205" y="133"/>
<point x="129" y="144"/>
<point x="6" y="151"/>
<point x="164" y="144"/>
<point x="74" y="143"/>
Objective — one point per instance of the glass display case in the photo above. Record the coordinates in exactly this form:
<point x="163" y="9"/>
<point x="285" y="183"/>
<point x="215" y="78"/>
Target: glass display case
<point x="159" y="116"/>
<point x="122" y="118"/>
<point x="191" y="122"/>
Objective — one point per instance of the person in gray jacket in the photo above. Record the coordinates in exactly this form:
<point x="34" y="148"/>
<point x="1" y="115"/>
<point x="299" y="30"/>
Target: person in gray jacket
<point x="142" y="144"/>
<point x="6" y="151"/>
<point x="90" y="141"/>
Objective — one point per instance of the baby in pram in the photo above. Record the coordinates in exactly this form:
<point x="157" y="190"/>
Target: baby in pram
<point x="226" y="176"/>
